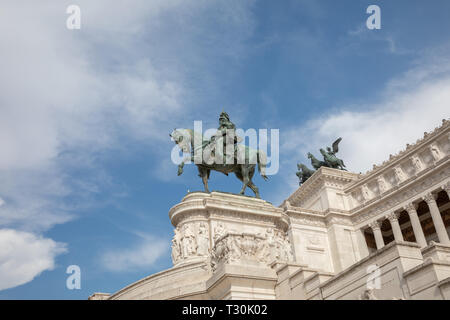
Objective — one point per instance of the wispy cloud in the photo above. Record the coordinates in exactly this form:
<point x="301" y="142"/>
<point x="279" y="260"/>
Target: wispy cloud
<point x="138" y="257"/>
<point x="358" y="39"/>
<point x="69" y="97"/>
<point x="411" y="104"/>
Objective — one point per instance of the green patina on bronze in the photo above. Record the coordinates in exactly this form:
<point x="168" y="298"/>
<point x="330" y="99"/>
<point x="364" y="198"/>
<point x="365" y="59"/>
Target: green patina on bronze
<point x="243" y="158"/>
<point x="329" y="160"/>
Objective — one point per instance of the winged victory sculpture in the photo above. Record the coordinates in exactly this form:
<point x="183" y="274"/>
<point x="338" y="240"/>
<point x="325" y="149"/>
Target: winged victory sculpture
<point x="330" y="160"/>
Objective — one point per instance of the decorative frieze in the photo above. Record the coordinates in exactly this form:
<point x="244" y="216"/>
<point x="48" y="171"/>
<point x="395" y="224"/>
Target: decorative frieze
<point x="235" y="247"/>
<point x="396" y="200"/>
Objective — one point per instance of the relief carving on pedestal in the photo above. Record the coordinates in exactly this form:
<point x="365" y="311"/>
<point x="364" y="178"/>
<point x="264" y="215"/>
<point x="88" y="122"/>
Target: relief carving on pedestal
<point x="188" y="241"/>
<point x="233" y="246"/>
<point x="176" y="246"/>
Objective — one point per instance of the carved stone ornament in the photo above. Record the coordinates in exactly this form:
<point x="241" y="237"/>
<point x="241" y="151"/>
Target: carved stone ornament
<point x="399" y="174"/>
<point x="417" y="163"/>
<point x="435" y="152"/>
<point x="375" y="225"/>
<point x="393" y="216"/>
<point x="233" y="246"/>
<point x="382" y="185"/>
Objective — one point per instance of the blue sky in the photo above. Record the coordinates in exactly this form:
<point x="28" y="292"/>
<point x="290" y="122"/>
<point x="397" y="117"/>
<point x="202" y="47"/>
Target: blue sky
<point x="85" y="170"/>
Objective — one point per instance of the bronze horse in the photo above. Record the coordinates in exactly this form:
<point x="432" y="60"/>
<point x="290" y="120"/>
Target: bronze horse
<point x="243" y="166"/>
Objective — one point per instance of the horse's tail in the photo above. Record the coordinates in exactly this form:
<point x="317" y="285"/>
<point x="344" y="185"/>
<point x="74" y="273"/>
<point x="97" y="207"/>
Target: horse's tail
<point x="262" y="163"/>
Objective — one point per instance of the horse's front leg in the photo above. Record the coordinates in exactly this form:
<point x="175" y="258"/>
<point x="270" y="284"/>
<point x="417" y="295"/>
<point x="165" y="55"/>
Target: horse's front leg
<point x="205" y="182"/>
<point x="245" y="179"/>
<point x="203" y="173"/>
<point x="180" y="168"/>
<point x="181" y="165"/>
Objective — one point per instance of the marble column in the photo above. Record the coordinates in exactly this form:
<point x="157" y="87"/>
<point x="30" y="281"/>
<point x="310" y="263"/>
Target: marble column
<point x="430" y="199"/>
<point x="393" y="219"/>
<point x="376" y="228"/>
<point x="415" y="222"/>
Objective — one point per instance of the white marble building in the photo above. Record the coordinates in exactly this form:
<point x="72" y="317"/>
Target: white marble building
<point x="341" y="235"/>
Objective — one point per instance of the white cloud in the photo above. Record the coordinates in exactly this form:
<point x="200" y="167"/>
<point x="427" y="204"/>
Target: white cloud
<point x="410" y="105"/>
<point x="127" y="74"/>
<point x="23" y="256"/>
<point x="142" y="256"/>
<point x="69" y="95"/>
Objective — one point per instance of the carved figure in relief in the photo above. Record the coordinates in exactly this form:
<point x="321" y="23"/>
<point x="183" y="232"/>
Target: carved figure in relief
<point x="176" y="246"/>
<point x="283" y="247"/>
<point x="219" y="231"/>
<point x="233" y="248"/>
<point x="435" y="152"/>
<point x="417" y="163"/>
<point x="382" y="186"/>
<point x="203" y="239"/>
<point x="365" y="192"/>
<point x="189" y="242"/>
<point x="399" y="175"/>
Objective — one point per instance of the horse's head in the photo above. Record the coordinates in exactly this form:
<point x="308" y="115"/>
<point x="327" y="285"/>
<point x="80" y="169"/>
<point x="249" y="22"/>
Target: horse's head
<point x="182" y="138"/>
<point x="322" y="151"/>
<point x="309" y="155"/>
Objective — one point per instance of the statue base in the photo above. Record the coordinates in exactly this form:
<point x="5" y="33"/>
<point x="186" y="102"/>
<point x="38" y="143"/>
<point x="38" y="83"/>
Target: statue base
<point x="224" y="247"/>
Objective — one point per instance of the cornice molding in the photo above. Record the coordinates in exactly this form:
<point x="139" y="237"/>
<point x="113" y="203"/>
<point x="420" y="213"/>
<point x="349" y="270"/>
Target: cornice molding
<point x="403" y="196"/>
<point x="328" y="177"/>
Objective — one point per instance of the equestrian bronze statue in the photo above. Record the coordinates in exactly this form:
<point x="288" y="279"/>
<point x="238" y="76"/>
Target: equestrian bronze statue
<point x="329" y="160"/>
<point x="221" y="153"/>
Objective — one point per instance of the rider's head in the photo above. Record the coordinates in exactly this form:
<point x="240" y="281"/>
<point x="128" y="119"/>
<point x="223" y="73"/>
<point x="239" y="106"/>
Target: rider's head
<point x="224" y="117"/>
